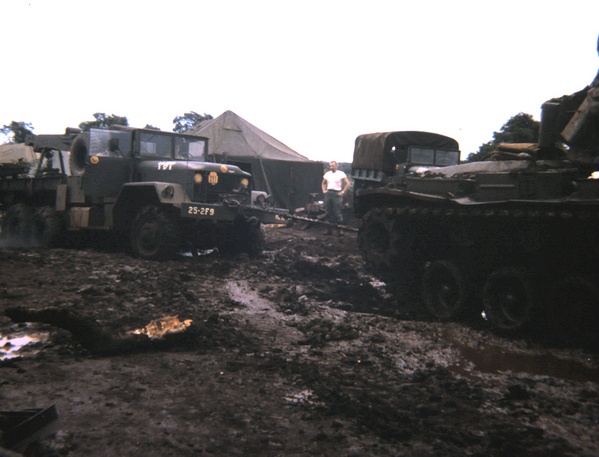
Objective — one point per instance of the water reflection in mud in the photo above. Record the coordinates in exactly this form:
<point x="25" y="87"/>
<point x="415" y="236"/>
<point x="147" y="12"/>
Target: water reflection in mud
<point x="20" y="344"/>
<point x="493" y="359"/>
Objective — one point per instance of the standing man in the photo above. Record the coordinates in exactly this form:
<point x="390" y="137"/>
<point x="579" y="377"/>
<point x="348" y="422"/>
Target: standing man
<point x="334" y="186"/>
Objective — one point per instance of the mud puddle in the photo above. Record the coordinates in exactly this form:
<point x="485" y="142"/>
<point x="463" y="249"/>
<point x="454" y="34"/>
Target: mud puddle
<point x="491" y="359"/>
<point x="21" y="343"/>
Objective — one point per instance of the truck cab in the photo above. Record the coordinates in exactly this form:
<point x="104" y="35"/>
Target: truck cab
<point x="108" y="159"/>
<point x="382" y="160"/>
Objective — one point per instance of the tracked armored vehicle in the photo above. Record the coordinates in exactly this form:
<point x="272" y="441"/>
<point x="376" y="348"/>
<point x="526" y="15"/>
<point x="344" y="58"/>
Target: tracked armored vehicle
<point x="513" y="238"/>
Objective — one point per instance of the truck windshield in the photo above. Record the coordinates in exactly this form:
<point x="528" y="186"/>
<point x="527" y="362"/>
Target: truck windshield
<point x="436" y="157"/>
<point x="422" y="156"/>
<point x="109" y="143"/>
<point x="171" y="147"/>
<point x="446" y="158"/>
<point x="155" y="145"/>
<point x="188" y="149"/>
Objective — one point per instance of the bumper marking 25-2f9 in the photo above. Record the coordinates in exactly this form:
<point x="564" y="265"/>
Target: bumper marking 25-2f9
<point x="200" y="211"/>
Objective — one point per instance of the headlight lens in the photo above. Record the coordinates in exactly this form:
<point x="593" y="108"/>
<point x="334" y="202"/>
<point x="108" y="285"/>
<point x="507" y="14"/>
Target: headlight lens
<point x="197" y="178"/>
<point x="245" y="182"/>
<point x="168" y="192"/>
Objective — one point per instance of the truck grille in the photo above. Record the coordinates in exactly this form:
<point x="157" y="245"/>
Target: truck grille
<point x="205" y="192"/>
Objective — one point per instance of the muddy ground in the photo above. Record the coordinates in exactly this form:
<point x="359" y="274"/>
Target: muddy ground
<point x="298" y="353"/>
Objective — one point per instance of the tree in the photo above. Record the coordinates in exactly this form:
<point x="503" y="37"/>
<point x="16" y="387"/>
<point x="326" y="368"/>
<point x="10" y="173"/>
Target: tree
<point x="189" y="120"/>
<point x="102" y="121"/>
<point x="18" y="131"/>
<point x="150" y="127"/>
<point x="521" y="128"/>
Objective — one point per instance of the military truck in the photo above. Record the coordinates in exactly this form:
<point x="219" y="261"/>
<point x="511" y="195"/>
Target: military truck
<point x="512" y="238"/>
<point x="154" y="188"/>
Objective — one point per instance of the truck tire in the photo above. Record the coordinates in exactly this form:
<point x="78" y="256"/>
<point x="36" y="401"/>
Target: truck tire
<point x="509" y="298"/>
<point x="48" y="228"/>
<point x="16" y="225"/>
<point x="155" y="234"/>
<point x="78" y="154"/>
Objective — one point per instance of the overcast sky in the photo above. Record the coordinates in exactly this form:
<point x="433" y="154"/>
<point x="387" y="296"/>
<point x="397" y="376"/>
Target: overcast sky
<point x="313" y="74"/>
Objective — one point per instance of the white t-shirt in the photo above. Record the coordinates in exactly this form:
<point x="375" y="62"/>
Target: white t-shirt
<point x="334" y="180"/>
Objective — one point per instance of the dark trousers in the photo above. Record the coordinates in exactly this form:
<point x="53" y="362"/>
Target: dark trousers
<point x="333" y="203"/>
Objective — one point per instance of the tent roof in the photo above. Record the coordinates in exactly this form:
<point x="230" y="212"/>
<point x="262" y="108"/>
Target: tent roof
<point x="233" y="136"/>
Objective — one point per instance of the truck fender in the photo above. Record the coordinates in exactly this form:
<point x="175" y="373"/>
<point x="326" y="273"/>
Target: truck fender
<point x="134" y="196"/>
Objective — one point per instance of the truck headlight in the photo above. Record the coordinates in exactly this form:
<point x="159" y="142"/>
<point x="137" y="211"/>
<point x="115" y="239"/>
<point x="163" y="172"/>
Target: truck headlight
<point x="259" y="198"/>
<point x="168" y="192"/>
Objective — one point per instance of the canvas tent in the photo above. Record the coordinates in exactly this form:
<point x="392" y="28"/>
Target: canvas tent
<point x="277" y="169"/>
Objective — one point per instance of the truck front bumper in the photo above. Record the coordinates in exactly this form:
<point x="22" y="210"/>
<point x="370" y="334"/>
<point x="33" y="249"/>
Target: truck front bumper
<point x="228" y="213"/>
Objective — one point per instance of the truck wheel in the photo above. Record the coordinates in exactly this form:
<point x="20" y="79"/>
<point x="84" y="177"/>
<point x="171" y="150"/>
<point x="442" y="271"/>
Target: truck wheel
<point x="16" y="224"/>
<point x="78" y="154"/>
<point x="509" y="298"/>
<point x="155" y="234"/>
<point x="573" y="312"/>
<point x="48" y="227"/>
<point x="444" y="290"/>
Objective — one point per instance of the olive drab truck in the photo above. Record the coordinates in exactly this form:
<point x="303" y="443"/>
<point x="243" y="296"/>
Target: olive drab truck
<point x="512" y="238"/>
<point x="155" y="189"/>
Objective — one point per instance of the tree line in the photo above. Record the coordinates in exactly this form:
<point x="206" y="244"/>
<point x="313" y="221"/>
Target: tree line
<point x="17" y="131"/>
<point x="521" y="128"/>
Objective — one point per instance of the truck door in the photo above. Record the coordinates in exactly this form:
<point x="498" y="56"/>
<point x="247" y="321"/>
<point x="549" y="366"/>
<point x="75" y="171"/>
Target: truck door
<point x="109" y="164"/>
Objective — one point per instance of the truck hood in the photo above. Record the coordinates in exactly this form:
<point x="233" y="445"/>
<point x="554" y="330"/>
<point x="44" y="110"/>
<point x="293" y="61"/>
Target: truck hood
<point x="182" y="165"/>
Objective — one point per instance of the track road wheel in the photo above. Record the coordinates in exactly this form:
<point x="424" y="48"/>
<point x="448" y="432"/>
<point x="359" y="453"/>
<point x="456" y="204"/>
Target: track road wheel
<point x="155" y="234"/>
<point x="573" y="313"/>
<point x="509" y="298"/>
<point x="374" y="240"/>
<point x="16" y="225"/>
<point x="48" y="227"/>
<point x="445" y="291"/>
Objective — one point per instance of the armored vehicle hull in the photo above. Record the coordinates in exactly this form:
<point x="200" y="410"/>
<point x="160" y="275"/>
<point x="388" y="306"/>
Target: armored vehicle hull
<point x="513" y="239"/>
